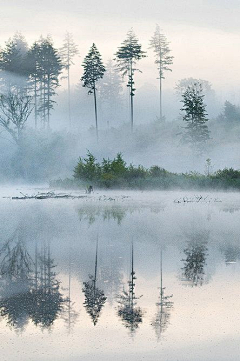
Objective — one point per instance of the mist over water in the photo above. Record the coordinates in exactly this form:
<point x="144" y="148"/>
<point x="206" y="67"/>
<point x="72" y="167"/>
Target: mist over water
<point x="101" y="273"/>
<point x="118" y="278"/>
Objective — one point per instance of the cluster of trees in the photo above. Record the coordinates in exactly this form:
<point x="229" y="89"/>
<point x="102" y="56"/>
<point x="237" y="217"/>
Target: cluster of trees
<point x="30" y="77"/>
<point x="116" y="173"/>
<point x="35" y="72"/>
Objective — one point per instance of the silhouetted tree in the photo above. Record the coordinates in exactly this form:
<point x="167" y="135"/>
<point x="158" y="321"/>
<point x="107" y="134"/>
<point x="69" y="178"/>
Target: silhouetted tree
<point x="45" y="67"/>
<point x="195" y="115"/>
<point x="68" y="51"/>
<point x="35" y="75"/>
<point x="13" y="72"/>
<point x="93" y="71"/>
<point x="160" y="46"/>
<point x="128" y="311"/>
<point x="127" y="56"/>
<point x="94" y="297"/>
<point x="51" y="68"/>
<point x="15" y="109"/>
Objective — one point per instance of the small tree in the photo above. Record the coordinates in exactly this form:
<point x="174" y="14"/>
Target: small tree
<point x="67" y="53"/>
<point x="127" y="55"/>
<point x="160" y="46"/>
<point x="197" y="132"/>
<point x="93" y="71"/>
<point x="15" y="109"/>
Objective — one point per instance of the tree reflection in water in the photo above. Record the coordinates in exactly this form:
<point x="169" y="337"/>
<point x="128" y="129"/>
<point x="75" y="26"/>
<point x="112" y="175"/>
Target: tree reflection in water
<point x="15" y="277"/>
<point x="195" y="261"/>
<point x="26" y="294"/>
<point x="164" y="306"/>
<point x="94" y="297"/>
<point x="128" y="311"/>
<point x="47" y="300"/>
<point x="231" y="253"/>
<point x="70" y="315"/>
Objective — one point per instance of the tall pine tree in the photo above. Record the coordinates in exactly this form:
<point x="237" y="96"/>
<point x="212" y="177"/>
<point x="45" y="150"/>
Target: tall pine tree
<point x="93" y="71"/>
<point x="45" y="67"/>
<point x="160" y="46"/>
<point x="127" y="56"/>
<point x="68" y="51"/>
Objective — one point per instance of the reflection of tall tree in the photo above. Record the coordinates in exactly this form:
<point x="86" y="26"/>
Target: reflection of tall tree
<point x="164" y="306"/>
<point x="69" y="315"/>
<point x="94" y="297"/>
<point x="128" y="311"/>
<point x="15" y="277"/>
<point x="195" y="261"/>
<point x="29" y="289"/>
<point x="111" y="273"/>
<point x="47" y="301"/>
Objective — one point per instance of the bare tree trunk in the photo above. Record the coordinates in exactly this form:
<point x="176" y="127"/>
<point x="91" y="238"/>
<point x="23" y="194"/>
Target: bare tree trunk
<point x="131" y="96"/>
<point x="95" y="107"/>
<point x="69" y="95"/>
<point x="160" y="83"/>
<point x="35" y="101"/>
<point x="48" y="103"/>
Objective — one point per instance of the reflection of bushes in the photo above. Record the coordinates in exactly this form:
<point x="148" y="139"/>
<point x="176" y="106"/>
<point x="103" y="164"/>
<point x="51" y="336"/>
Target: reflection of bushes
<point x="90" y="213"/>
<point x="116" y="174"/>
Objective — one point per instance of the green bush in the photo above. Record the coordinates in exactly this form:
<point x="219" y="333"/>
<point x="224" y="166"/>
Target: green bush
<point x="116" y="174"/>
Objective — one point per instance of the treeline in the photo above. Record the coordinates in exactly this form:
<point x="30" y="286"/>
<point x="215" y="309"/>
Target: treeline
<point x="117" y="174"/>
<point x="34" y="73"/>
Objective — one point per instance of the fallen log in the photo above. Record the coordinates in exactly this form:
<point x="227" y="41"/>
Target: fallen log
<point x="48" y="195"/>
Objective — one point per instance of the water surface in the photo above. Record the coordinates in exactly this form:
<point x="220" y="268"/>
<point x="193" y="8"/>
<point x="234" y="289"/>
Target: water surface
<point x="120" y="275"/>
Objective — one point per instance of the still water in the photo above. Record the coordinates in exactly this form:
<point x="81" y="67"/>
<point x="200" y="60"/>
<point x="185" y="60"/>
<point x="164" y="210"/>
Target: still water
<point x="120" y="276"/>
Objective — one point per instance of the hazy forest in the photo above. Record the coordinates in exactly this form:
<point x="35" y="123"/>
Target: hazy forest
<point x="50" y="115"/>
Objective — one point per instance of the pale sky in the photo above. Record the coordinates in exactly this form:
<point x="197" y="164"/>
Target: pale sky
<point x="204" y="34"/>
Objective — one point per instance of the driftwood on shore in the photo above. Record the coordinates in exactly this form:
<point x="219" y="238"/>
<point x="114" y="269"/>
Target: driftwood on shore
<point x="48" y="195"/>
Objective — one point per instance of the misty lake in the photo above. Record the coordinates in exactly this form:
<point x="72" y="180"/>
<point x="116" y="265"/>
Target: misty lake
<point x="120" y="276"/>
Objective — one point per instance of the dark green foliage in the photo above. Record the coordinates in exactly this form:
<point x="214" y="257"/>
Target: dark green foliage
<point x="127" y="55"/>
<point x="116" y="174"/>
<point x="45" y="67"/>
<point x="93" y="71"/>
<point x="13" y="64"/>
<point x="196" y="130"/>
<point x="87" y="169"/>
